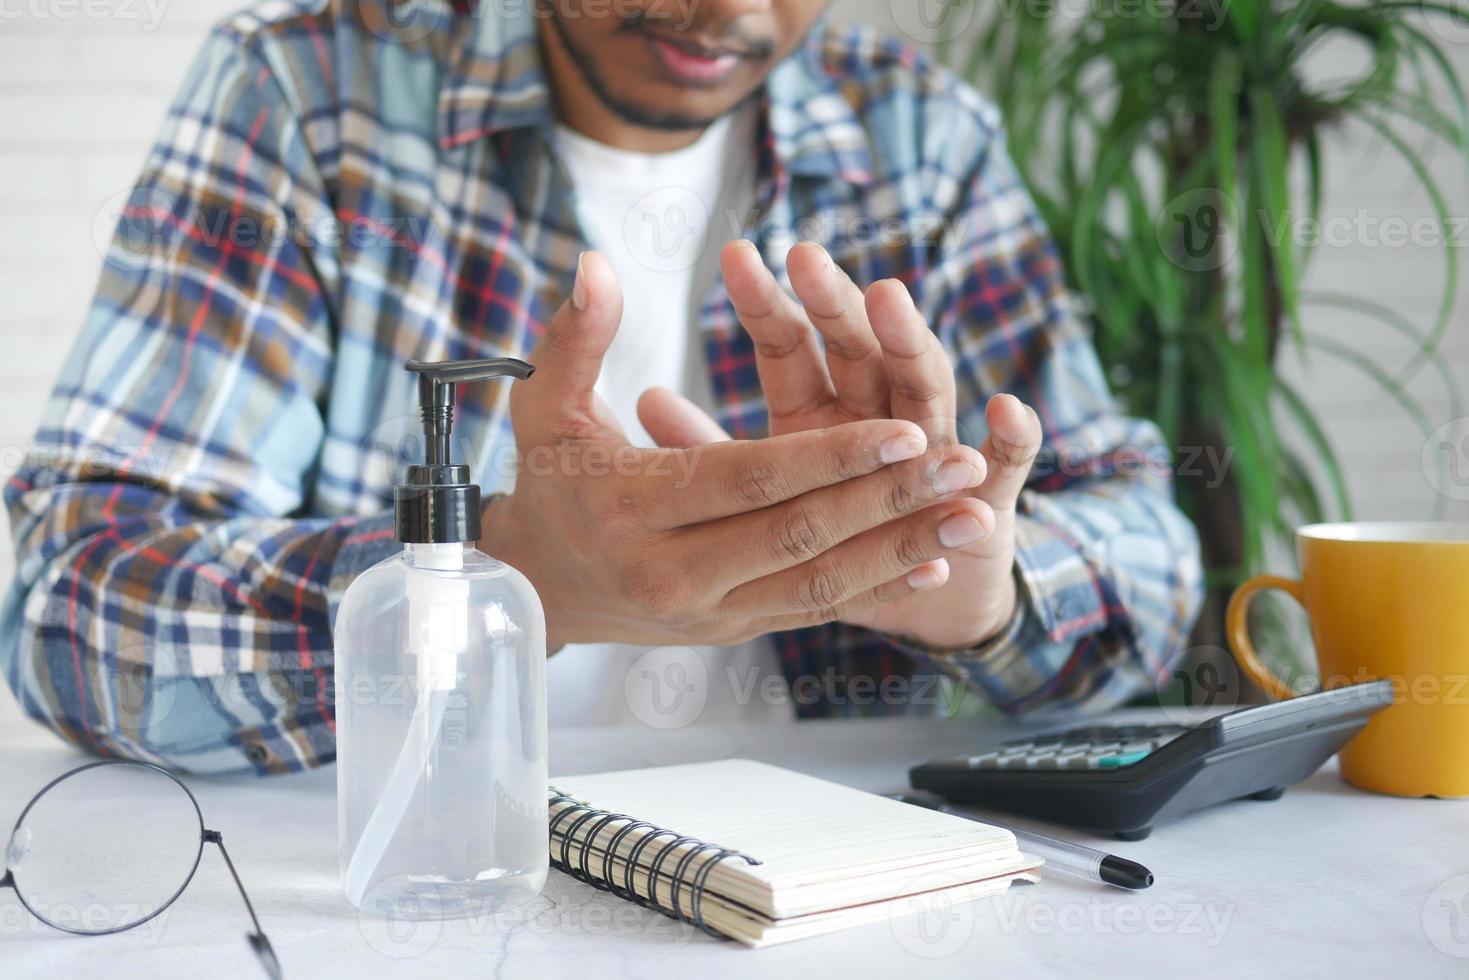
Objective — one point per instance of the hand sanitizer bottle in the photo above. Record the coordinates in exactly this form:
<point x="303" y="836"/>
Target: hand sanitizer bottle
<point x="441" y="699"/>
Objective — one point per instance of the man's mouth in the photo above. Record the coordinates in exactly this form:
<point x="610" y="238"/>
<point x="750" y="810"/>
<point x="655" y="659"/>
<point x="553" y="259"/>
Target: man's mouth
<point x="691" y="63"/>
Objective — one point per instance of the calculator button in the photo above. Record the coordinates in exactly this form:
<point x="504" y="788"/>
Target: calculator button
<point x="1095" y="747"/>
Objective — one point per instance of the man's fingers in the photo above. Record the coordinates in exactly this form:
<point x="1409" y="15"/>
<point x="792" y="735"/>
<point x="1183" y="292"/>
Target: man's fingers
<point x="819" y="590"/>
<point x="787" y="355"/>
<point x="568" y="357"/>
<point x="921" y="373"/>
<point x="1014" y="439"/>
<point x="711" y="482"/>
<point x="752" y="546"/>
<point x="836" y="308"/>
<point x="674" y="422"/>
<point x="929" y="575"/>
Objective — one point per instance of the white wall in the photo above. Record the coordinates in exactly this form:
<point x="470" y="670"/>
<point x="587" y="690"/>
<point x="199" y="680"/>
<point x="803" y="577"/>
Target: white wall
<point x="81" y="96"/>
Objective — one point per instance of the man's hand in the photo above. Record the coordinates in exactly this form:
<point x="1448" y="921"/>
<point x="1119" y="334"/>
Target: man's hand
<point x="881" y="361"/>
<point x="712" y="543"/>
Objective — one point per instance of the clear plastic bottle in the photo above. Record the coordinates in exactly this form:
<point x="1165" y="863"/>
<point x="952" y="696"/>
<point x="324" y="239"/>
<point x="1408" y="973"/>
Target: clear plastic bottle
<point x="441" y="705"/>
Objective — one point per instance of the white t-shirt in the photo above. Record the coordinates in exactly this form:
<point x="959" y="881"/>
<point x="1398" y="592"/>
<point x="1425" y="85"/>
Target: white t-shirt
<point x="661" y="220"/>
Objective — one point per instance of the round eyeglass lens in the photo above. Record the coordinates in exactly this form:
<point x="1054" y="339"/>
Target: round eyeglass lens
<point x="105" y="848"/>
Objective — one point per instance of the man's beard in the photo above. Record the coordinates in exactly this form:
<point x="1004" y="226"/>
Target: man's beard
<point x="664" y="120"/>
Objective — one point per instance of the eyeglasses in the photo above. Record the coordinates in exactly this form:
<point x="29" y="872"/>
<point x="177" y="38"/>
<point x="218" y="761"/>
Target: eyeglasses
<point x="110" y="846"/>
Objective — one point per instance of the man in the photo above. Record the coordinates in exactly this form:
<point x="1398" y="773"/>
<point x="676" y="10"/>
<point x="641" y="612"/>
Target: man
<point x="838" y="480"/>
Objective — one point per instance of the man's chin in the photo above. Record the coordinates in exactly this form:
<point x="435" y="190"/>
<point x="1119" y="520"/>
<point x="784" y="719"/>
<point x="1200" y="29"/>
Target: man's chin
<point x="672" y="115"/>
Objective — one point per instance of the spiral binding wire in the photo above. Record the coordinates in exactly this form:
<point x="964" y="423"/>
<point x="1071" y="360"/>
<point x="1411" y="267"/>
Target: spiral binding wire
<point x="683" y="875"/>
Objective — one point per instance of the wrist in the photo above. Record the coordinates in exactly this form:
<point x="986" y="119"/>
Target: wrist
<point x="489" y="519"/>
<point x="1006" y="606"/>
<point x="1000" y="607"/>
<point x="495" y="540"/>
<point x="495" y="537"/>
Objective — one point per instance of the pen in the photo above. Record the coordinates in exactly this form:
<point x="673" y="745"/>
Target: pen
<point x="1076" y="859"/>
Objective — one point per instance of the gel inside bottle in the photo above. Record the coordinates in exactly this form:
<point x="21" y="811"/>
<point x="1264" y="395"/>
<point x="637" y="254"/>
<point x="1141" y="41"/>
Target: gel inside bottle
<point x="441" y="699"/>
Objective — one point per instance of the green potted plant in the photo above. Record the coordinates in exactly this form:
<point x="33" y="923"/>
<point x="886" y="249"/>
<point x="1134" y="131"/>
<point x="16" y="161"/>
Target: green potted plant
<point x="1175" y="149"/>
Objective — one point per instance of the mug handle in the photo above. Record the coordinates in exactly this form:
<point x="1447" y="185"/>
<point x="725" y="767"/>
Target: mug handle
<point x="1237" y="627"/>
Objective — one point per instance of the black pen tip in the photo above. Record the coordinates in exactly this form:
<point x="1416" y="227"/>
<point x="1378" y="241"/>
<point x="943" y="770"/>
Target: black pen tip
<point x="1124" y="873"/>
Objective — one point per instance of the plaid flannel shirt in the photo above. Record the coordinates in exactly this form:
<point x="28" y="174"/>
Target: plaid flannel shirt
<point x="336" y="191"/>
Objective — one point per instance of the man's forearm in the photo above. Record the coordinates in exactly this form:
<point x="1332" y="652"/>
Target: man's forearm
<point x="138" y="627"/>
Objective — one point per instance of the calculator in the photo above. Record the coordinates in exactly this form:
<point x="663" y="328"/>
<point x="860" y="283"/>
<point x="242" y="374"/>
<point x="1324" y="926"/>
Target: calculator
<point x="1124" y="779"/>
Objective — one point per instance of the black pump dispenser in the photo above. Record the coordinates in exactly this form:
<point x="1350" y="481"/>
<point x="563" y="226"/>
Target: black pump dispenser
<point x="436" y="503"/>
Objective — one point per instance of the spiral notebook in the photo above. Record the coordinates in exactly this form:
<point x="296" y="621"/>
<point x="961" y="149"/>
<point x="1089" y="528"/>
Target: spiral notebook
<point x="763" y="855"/>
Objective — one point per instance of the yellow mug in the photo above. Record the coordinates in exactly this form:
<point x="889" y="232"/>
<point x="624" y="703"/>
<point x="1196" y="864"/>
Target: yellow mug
<point x="1385" y="601"/>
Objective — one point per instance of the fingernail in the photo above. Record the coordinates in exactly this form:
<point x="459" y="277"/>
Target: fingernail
<point x="901" y="448"/>
<point x="955" y="476"/>
<point x="960" y="530"/>
<point x="929" y="576"/>
<point x="579" y="288"/>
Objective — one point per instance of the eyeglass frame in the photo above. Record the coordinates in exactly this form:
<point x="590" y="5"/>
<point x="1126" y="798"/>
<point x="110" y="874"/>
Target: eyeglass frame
<point x="257" y="939"/>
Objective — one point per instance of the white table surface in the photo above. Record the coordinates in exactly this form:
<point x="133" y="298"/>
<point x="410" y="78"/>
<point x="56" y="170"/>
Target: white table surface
<point x="1327" y="881"/>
